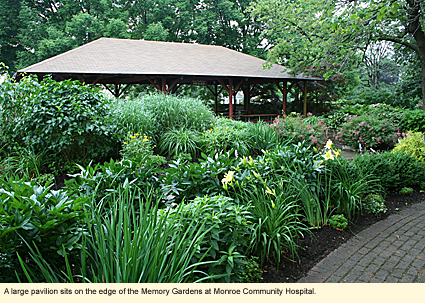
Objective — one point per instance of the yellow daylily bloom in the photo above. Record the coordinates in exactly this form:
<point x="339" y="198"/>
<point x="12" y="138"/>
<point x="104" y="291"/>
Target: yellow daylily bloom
<point x="228" y="177"/>
<point x="329" y="155"/>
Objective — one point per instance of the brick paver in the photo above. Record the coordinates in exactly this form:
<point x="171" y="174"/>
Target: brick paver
<point x="389" y="251"/>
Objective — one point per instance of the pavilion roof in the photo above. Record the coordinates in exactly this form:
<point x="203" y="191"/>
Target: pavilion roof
<point x="111" y="60"/>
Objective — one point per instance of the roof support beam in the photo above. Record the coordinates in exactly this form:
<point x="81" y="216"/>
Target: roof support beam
<point x="231" y="90"/>
<point x="153" y="83"/>
<point x="172" y="85"/>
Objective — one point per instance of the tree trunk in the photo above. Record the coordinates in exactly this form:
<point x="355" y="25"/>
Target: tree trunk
<point x="415" y="29"/>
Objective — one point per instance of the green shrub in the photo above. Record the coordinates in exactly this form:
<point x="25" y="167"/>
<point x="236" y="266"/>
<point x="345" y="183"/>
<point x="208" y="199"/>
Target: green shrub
<point x="406" y="191"/>
<point x="277" y="218"/>
<point x="225" y="135"/>
<point x="102" y="181"/>
<point x="413" y="144"/>
<point x="413" y="120"/>
<point x="348" y="186"/>
<point x="64" y="118"/>
<point x="368" y="132"/>
<point x="229" y="230"/>
<point x="335" y="120"/>
<point x="338" y="222"/>
<point x="51" y="220"/>
<point x="394" y="170"/>
<point x="294" y="129"/>
<point x="188" y="180"/>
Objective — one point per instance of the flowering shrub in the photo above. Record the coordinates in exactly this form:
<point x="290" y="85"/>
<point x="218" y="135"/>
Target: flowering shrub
<point x="366" y="131"/>
<point x="293" y="127"/>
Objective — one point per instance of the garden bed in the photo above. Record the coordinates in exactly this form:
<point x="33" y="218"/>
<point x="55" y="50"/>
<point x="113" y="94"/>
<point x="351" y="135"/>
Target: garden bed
<point x="326" y="239"/>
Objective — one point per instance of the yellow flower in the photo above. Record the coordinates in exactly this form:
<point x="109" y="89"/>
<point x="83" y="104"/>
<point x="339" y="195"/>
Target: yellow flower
<point x="329" y="155"/>
<point x="329" y="144"/>
<point x="125" y="142"/>
<point x="137" y="134"/>
<point x="228" y="177"/>
<point x="133" y="137"/>
<point x="212" y="124"/>
<point x="227" y="128"/>
<point x="210" y="130"/>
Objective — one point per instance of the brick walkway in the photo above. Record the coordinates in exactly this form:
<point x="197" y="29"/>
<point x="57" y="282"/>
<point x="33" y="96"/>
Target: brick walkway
<point x="391" y="250"/>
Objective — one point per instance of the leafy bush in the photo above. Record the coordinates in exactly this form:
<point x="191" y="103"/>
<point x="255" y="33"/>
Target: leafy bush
<point x="338" y="222"/>
<point x="406" y="191"/>
<point x="394" y="170"/>
<point x="102" y="181"/>
<point x="413" y="144"/>
<point x="34" y="214"/>
<point x="225" y="135"/>
<point x="413" y="120"/>
<point x="348" y="186"/>
<point x="229" y="230"/>
<point x="374" y="204"/>
<point x="64" y="118"/>
<point x="315" y="200"/>
<point x="335" y="120"/>
<point x="293" y="128"/>
<point x="188" y="180"/>
<point x="366" y="131"/>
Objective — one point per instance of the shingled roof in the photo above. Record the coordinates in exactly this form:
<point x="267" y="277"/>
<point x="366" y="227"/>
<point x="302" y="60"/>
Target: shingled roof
<point x="107" y="60"/>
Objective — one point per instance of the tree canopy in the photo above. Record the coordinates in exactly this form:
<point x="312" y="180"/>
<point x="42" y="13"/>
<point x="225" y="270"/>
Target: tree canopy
<point x="330" y="36"/>
<point x="33" y="30"/>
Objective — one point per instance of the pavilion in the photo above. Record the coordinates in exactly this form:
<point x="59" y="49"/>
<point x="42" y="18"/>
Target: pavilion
<point x="166" y="66"/>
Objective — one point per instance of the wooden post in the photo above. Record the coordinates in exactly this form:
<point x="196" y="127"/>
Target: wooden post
<point x="284" y="91"/>
<point x="305" y="99"/>
<point x="231" y="98"/>
<point x="164" y="85"/>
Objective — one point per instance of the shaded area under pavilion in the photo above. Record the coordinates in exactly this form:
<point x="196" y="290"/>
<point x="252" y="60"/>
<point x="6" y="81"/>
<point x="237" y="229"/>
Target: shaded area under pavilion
<point x="168" y="65"/>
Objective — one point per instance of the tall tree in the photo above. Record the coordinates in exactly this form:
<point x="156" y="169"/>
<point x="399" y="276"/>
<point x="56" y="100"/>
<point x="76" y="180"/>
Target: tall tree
<point x="325" y="35"/>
